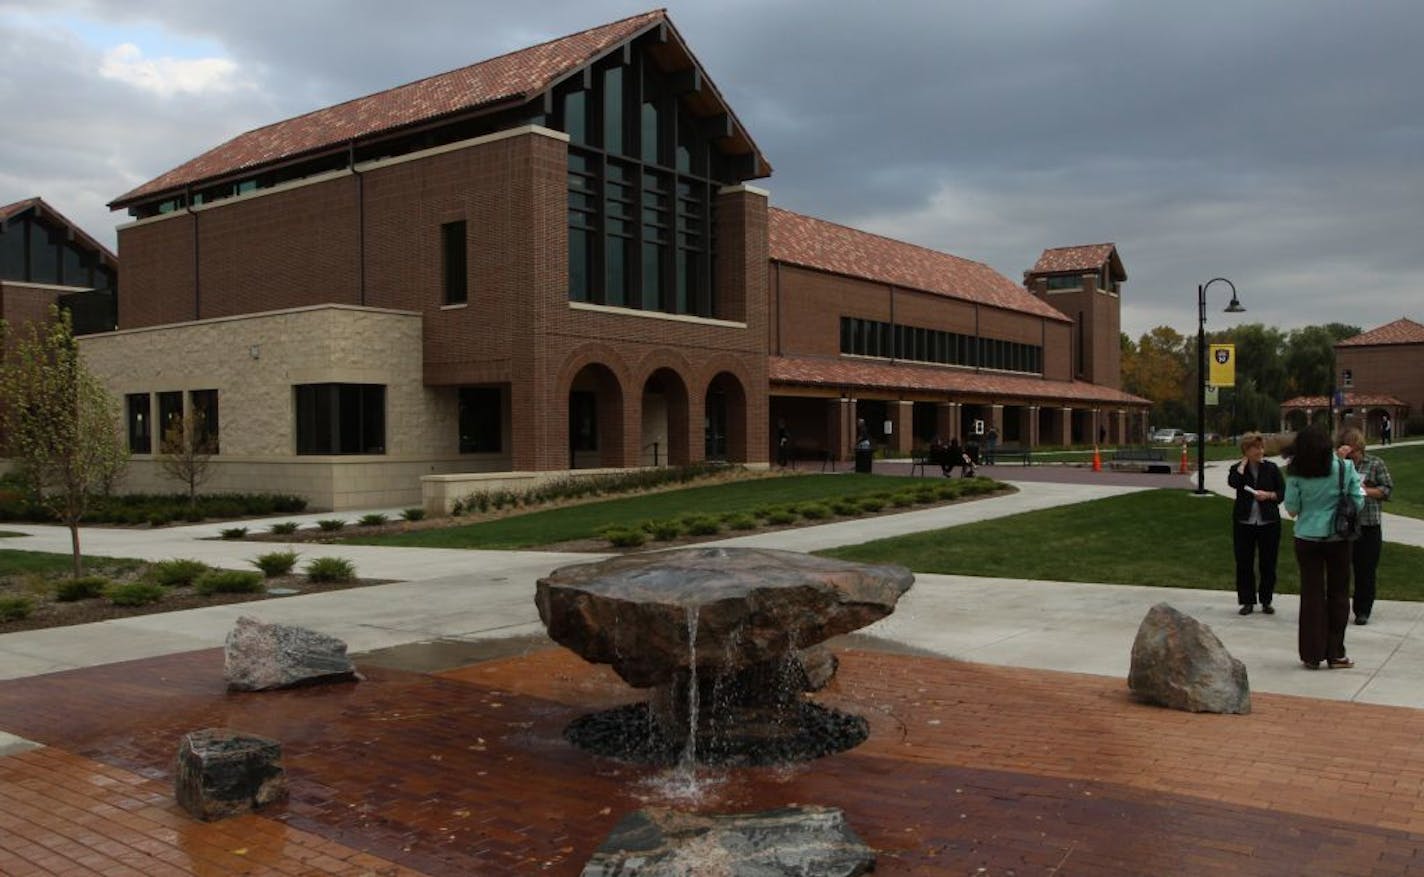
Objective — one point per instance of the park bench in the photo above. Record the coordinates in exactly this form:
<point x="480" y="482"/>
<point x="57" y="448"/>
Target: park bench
<point x="1013" y="452"/>
<point x="1141" y="460"/>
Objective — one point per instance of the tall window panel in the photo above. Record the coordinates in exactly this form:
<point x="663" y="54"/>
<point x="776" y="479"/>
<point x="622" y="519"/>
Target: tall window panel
<point x="140" y="423"/>
<point x="170" y="413"/>
<point x="204" y="405"/>
<point x="481" y="420"/>
<point x="454" y="262"/>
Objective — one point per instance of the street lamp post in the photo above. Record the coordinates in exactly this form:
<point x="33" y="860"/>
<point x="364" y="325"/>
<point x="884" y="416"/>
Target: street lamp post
<point x="1233" y="308"/>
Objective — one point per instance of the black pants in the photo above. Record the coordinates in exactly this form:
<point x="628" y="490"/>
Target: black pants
<point x="1324" y="598"/>
<point x="1365" y="561"/>
<point x="1251" y="541"/>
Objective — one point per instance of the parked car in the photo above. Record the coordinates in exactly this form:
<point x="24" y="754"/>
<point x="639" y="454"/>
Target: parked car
<point x="1166" y="436"/>
<point x="1190" y="438"/>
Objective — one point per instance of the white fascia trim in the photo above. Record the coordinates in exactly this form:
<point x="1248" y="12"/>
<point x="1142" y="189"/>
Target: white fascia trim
<point x="743" y="187"/>
<point x="654" y="315"/>
<point x="47" y="287"/>
<point x="361" y="167"/>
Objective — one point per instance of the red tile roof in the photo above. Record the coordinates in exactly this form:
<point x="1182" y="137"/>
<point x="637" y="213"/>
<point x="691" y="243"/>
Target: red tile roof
<point x="865" y="374"/>
<point x="1087" y="257"/>
<point x="42" y="208"/>
<point x="511" y="78"/>
<point x="815" y="243"/>
<point x="1401" y="331"/>
<point x="1352" y="400"/>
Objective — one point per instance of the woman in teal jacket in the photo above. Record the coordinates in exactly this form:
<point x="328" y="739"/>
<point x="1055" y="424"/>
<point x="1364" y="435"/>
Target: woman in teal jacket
<point x="1313" y="484"/>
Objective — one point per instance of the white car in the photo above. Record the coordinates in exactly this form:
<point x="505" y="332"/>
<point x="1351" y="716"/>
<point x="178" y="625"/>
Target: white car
<point x="1166" y="436"/>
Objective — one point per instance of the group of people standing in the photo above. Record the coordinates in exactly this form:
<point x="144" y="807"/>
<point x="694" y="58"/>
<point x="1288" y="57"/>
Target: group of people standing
<point x="1318" y="474"/>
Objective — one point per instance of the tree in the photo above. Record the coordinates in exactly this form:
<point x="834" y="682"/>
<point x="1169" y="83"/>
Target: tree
<point x="61" y="425"/>
<point x="186" y="452"/>
<point x="1159" y="370"/>
<point x="1310" y="358"/>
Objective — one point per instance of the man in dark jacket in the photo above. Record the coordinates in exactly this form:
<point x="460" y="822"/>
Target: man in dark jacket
<point x="1256" y="522"/>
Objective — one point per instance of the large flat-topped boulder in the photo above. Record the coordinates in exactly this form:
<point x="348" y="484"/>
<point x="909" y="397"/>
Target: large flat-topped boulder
<point x="740" y="607"/>
<point x="1178" y="662"/>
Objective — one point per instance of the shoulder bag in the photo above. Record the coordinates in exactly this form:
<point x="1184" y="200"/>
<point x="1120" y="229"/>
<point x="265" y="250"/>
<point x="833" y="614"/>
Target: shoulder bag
<point x="1346" y="522"/>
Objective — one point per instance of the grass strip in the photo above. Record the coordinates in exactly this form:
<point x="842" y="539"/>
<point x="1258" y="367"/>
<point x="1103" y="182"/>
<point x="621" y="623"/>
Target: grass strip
<point x="1162" y="538"/>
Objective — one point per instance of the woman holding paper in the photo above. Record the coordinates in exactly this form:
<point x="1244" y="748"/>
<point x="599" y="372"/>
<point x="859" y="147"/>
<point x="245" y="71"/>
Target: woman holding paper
<point x="1256" y="523"/>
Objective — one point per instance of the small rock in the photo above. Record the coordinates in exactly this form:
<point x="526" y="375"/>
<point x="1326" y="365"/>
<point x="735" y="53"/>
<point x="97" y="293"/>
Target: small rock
<point x="1179" y="663"/>
<point x="773" y="843"/>
<point x="259" y="657"/>
<point x="221" y="773"/>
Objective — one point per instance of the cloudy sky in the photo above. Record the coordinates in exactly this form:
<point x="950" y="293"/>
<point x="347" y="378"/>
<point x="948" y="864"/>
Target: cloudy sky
<point x="1274" y="142"/>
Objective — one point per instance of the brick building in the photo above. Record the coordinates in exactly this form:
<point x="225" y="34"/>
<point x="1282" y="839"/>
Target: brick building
<point x="1379" y="373"/>
<point x="547" y="261"/>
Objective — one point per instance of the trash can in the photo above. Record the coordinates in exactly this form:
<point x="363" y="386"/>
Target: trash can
<point x="862" y="459"/>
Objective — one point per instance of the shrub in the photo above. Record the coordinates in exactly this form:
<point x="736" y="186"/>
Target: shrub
<point x="233" y="533"/>
<point x="925" y="495"/>
<point x="872" y="503"/>
<point x="229" y="581"/>
<point x="813" y="511"/>
<point x="285" y="528"/>
<point x="701" y="525"/>
<point x="622" y="537"/>
<point x="134" y="593"/>
<point x="779" y="517"/>
<point x="159" y="519"/>
<point x="665" y="530"/>
<point x="331" y="525"/>
<point x="373" y="519"/>
<point x="275" y="563"/>
<point x="846" y="507"/>
<point x="15" y="608"/>
<point x="741" y="521"/>
<point x="413" y="515"/>
<point x="82" y="588"/>
<point x="904" y="499"/>
<point x="176" y="573"/>
<point x="330" y="569"/>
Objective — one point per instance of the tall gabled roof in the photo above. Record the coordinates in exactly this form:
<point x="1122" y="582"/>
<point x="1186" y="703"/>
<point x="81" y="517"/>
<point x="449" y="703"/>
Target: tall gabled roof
<point x="504" y="81"/>
<point x="1084" y="257"/>
<point x="1401" y="331"/>
<point x="41" y="209"/>
<point x="815" y="243"/>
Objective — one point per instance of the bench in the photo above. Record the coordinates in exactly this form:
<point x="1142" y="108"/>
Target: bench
<point x="938" y="456"/>
<point x="1011" y="452"/>
<point x="1141" y="460"/>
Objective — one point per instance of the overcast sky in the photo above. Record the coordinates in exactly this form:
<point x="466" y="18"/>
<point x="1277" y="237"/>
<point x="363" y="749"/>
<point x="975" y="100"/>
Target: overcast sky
<point x="1274" y="142"/>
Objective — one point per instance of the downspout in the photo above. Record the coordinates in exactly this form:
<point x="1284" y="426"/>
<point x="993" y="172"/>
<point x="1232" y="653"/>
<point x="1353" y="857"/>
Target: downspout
<point x="894" y="348"/>
<point x="197" y="288"/>
<point x="360" y="224"/>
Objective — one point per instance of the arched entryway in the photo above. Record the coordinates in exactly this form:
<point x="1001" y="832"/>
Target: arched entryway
<point x="595" y="419"/>
<point x="664" y="440"/>
<point x="725" y="419"/>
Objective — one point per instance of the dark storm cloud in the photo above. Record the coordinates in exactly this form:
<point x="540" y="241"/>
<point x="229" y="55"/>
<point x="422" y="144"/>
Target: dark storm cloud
<point x="1274" y="142"/>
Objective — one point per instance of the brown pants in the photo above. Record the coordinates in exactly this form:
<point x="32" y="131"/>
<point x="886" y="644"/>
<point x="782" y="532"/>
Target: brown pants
<point x="1324" y="598"/>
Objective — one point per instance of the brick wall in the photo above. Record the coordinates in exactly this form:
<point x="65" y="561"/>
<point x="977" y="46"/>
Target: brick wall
<point x="1392" y="370"/>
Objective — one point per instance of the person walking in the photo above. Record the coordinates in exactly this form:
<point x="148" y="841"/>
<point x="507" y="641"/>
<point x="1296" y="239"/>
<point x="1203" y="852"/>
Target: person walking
<point x="783" y="445"/>
<point x="1315" y="479"/>
<point x="1365" y="553"/>
<point x="1386" y="430"/>
<point x="1256" y="523"/>
<point x="991" y="442"/>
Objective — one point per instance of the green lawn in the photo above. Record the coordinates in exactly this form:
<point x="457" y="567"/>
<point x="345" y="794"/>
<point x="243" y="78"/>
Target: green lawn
<point x="14" y="563"/>
<point x="584" y="521"/>
<point x="1406" y="467"/>
<point x="1167" y="538"/>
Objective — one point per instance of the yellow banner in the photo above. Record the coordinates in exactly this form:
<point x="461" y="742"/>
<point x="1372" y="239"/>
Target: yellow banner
<point x="1223" y="365"/>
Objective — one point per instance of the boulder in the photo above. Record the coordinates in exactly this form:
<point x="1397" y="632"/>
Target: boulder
<point x="773" y="843"/>
<point x="259" y="657"/>
<point x="221" y="773"/>
<point x="1179" y="663"/>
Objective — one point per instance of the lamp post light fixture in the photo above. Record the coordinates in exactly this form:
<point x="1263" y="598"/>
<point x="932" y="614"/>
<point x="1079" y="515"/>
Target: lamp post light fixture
<point x="1233" y="308"/>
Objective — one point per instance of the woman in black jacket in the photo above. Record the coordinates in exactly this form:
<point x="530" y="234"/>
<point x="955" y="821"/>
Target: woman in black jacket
<point x="1256" y="522"/>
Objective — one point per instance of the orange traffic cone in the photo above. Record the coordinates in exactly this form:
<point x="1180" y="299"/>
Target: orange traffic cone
<point x="1097" y="460"/>
<point x="1184" y="470"/>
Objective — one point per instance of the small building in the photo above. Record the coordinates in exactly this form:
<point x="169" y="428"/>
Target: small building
<point x="1379" y="374"/>
<point x="555" y="261"/>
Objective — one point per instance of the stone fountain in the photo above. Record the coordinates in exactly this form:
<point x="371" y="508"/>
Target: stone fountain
<point x="727" y="639"/>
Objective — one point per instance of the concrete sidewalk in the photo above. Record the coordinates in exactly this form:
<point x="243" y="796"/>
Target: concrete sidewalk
<point x="473" y="595"/>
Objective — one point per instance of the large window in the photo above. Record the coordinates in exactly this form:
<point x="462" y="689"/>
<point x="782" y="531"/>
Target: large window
<point x="1065" y="281"/>
<point x="643" y="173"/>
<point x="881" y="339"/>
<point x="481" y="420"/>
<point x="140" y="423"/>
<point x="583" y="421"/>
<point x="454" y="268"/>
<point x="341" y="418"/>
<point x="204" y="405"/>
